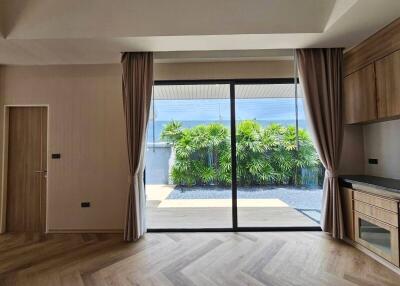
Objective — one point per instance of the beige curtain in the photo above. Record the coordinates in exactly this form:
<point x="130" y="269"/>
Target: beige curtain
<point x="321" y="78"/>
<point x="137" y="82"/>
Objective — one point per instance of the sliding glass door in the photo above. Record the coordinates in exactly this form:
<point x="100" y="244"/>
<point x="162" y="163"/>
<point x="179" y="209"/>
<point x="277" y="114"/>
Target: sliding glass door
<point x="278" y="170"/>
<point x="188" y="158"/>
<point x="230" y="155"/>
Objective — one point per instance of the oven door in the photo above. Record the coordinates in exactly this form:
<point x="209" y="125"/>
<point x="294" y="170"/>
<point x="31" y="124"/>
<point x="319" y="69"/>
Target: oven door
<point x="379" y="237"/>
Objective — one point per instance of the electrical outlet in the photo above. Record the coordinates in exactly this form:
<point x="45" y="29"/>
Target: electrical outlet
<point x="56" y="156"/>
<point x="85" y="204"/>
<point x="372" y="161"/>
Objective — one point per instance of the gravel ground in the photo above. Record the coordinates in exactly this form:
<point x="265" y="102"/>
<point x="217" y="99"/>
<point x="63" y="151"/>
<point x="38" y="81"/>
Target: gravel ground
<point x="299" y="198"/>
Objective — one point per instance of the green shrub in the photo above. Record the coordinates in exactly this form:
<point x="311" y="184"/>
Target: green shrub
<point x="265" y="155"/>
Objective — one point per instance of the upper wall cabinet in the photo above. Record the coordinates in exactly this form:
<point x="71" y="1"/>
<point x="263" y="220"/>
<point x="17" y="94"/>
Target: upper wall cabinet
<point x="359" y="96"/>
<point x="388" y="85"/>
<point x="372" y="77"/>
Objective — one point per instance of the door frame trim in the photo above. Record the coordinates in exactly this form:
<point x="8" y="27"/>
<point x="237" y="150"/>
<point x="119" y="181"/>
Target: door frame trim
<point x="4" y="173"/>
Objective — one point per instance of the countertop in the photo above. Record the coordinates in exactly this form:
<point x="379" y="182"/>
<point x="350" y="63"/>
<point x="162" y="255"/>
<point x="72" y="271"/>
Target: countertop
<point x="385" y="185"/>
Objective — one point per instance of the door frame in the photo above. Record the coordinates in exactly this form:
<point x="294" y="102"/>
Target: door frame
<point x="232" y="83"/>
<point x="3" y="193"/>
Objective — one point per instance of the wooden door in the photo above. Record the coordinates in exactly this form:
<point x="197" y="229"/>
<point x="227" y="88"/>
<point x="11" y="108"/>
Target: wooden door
<point x="27" y="167"/>
<point x="360" y="96"/>
<point x="388" y="85"/>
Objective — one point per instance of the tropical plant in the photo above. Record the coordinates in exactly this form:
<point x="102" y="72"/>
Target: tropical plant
<point x="172" y="132"/>
<point x="275" y="154"/>
<point x="199" y="153"/>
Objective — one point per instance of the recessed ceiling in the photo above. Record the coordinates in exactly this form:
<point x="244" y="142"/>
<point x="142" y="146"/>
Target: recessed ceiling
<point x="96" y="31"/>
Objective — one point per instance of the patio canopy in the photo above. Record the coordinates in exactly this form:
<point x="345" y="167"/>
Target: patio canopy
<point x="221" y="91"/>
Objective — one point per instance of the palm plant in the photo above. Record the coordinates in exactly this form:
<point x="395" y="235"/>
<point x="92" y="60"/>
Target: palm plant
<point x="172" y="132"/>
<point x="274" y="154"/>
<point x="253" y="164"/>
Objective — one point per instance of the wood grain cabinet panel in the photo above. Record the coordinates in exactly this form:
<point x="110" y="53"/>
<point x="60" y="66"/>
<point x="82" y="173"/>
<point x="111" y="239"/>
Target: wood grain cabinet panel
<point x="390" y="250"/>
<point x="360" y="96"/>
<point x="380" y="44"/>
<point x="380" y="202"/>
<point x="346" y="196"/>
<point x="377" y="213"/>
<point x="388" y="85"/>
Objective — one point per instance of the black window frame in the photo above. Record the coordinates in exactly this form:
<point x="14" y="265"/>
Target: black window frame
<point x="235" y="227"/>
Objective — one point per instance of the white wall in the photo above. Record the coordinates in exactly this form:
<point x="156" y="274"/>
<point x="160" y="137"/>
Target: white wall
<point x="86" y="126"/>
<point x="353" y="151"/>
<point x="224" y="70"/>
<point x="382" y="142"/>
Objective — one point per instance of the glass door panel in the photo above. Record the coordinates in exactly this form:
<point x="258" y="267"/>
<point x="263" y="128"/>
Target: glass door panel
<point x="374" y="235"/>
<point x="379" y="237"/>
<point x="278" y="170"/>
<point x="188" y="157"/>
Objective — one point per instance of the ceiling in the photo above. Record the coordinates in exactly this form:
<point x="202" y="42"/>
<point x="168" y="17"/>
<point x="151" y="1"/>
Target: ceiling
<point x="96" y="31"/>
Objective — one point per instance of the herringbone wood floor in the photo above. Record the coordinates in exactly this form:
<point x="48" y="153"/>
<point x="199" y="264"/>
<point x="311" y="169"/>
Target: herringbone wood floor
<point x="279" y="258"/>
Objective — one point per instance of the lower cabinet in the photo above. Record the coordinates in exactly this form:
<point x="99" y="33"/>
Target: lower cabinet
<point x="374" y="222"/>
<point x="379" y="237"/>
<point x="346" y="195"/>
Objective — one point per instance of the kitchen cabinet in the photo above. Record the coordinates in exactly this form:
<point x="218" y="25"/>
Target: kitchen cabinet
<point x="388" y="85"/>
<point x="376" y="224"/>
<point x="371" y="216"/>
<point x="372" y="77"/>
<point x="377" y="236"/>
<point x="346" y="197"/>
<point x="360" y="96"/>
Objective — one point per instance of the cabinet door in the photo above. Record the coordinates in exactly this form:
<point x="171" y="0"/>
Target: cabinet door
<point x="377" y="236"/>
<point x="346" y="196"/>
<point x="360" y="96"/>
<point x="388" y="85"/>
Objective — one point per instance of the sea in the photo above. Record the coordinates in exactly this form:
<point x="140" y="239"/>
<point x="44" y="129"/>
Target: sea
<point x="199" y="111"/>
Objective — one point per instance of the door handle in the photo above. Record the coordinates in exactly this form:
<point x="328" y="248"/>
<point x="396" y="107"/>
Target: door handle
<point x="44" y="172"/>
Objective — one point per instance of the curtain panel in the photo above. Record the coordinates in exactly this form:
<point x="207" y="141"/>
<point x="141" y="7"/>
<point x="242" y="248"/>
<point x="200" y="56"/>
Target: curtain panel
<point x="321" y="77"/>
<point x="137" y="83"/>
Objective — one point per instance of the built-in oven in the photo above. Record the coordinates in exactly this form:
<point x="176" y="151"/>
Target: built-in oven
<point x="379" y="237"/>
